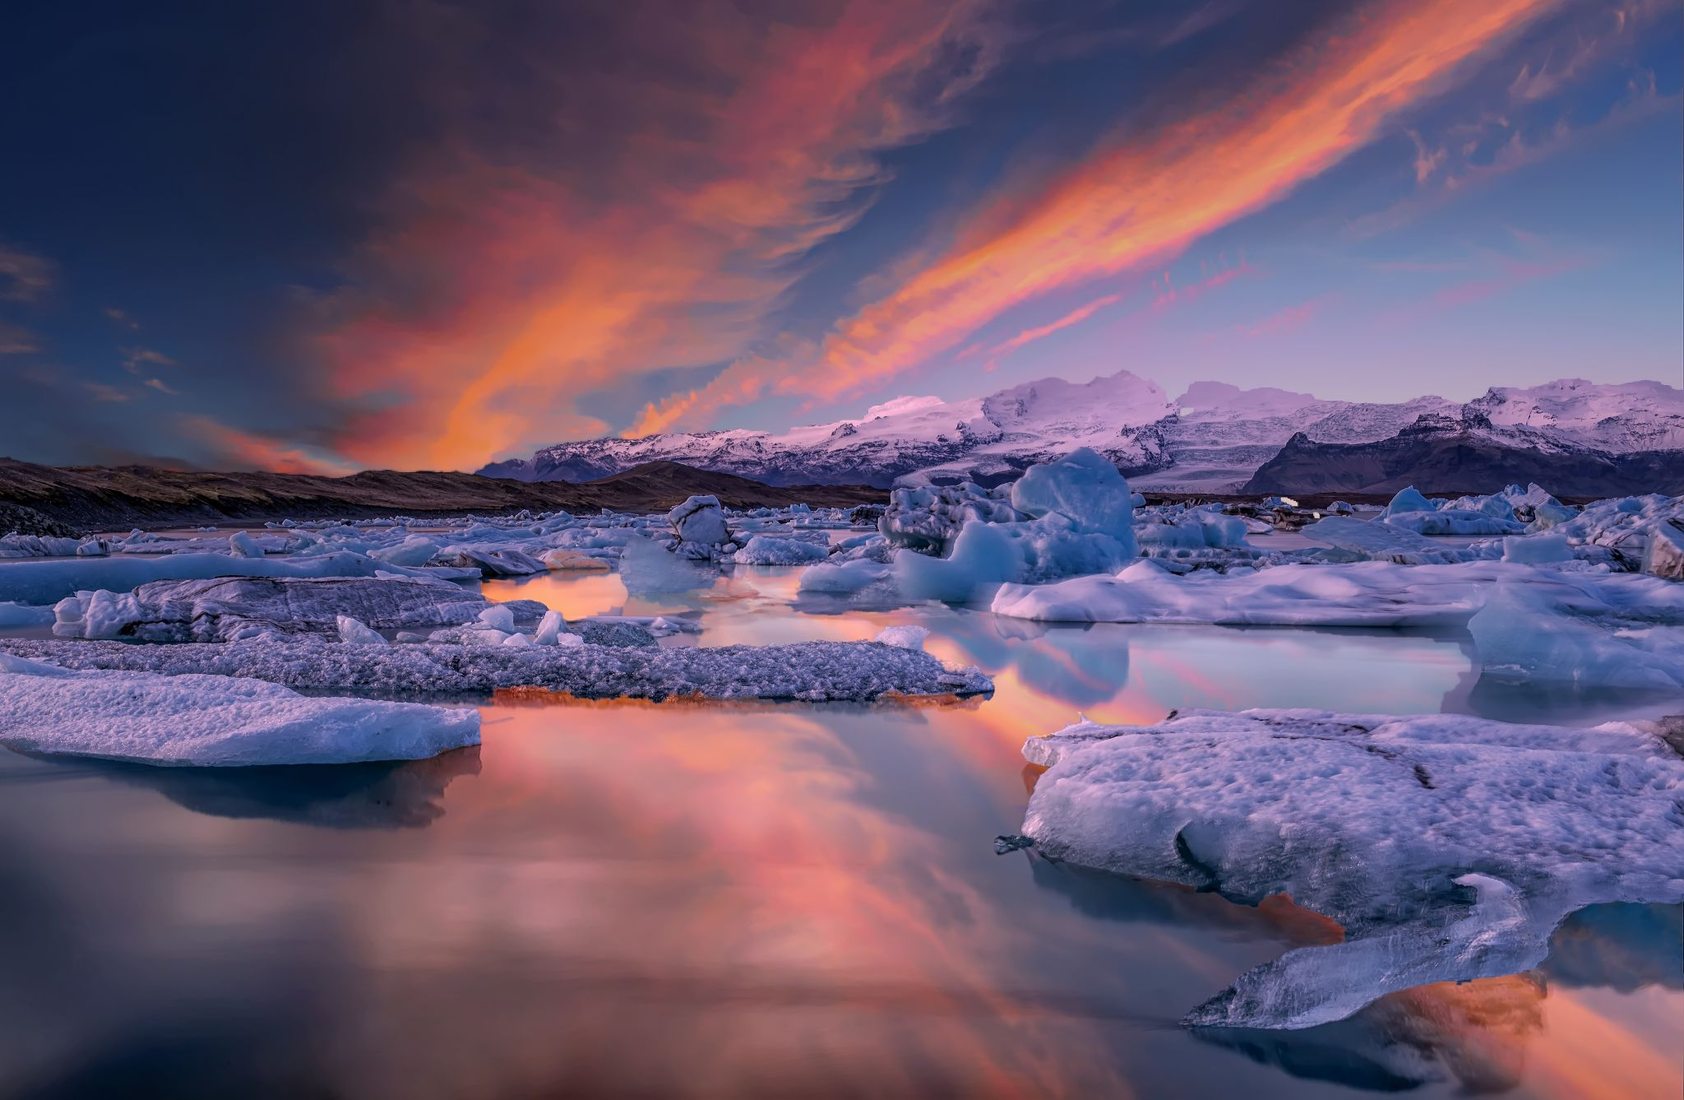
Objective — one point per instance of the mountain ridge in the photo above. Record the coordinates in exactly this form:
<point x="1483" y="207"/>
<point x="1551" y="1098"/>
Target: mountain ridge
<point x="1214" y="438"/>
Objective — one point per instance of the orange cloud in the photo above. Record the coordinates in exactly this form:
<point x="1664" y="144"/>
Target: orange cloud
<point x="1281" y="322"/>
<point x="1145" y="197"/>
<point x="1040" y="332"/>
<point x="512" y="286"/>
<point x="244" y="450"/>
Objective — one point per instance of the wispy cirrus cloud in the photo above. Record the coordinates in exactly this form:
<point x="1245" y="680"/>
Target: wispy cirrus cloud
<point x="16" y="340"/>
<point x="510" y="283"/>
<point x="239" y="449"/>
<point x="24" y="276"/>
<point x="1144" y="197"/>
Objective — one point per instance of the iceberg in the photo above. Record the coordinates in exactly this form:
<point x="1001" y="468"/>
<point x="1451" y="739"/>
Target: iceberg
<point x="700" y="520"/>
<point x="47" y="582"/>
<point x="232" y="608"/>
<point x="808" y="671"/>
<point x="775" y="550"/>
<point x="211" y="721"/>
<point x="1081" y="520"/>
<point x="1447" y="847"/>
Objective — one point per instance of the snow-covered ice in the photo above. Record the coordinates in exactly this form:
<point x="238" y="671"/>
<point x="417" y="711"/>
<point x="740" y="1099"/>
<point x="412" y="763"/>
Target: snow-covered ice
<point x="1447" y="847"/>
<point x="211" y="721"/>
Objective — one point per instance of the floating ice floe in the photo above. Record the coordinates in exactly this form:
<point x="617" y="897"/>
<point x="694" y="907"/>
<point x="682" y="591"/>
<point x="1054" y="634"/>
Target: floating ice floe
<point x="1569" y="624"/>
<point x="234" y="608"/>
<point x="1447" y="847"/>
<point x="781" y="550"/>
<point x="46" y="582"/>
<point x="810" y="671"/>
<point x="211" y="721"/>
<point x="22" y="614"/>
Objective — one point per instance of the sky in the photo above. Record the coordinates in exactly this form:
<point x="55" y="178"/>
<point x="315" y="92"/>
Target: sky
<point x="328" y="235"/>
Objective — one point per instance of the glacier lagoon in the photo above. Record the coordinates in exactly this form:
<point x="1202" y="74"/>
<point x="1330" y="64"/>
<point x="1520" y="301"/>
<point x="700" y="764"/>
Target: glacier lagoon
<point x="722" y="898"/>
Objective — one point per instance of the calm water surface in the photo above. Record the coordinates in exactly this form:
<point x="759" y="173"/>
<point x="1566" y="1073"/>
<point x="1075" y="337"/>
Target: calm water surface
<point x="633" y="900"/>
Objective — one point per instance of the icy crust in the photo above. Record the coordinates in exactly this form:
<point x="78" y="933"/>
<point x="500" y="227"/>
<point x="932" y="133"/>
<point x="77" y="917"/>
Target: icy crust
<point x="1447" y="847"/>
<point x="211" y="721"/>
<point x="810" y="671"/>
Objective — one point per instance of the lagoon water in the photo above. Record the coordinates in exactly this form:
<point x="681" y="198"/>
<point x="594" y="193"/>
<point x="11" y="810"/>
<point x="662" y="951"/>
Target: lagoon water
<point x="637" y="900"/>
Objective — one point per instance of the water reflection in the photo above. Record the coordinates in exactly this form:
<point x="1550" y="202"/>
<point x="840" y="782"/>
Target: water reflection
<point x="405" y="794"/>
<point x="775" y="900"/>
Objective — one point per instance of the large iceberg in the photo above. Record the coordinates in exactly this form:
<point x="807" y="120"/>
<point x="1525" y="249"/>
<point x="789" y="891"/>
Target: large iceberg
<point x="1447" y="847"/>
<point x="1081" y="520"/>
<point x="211" y="721"/>
<point x="809" y="671"/>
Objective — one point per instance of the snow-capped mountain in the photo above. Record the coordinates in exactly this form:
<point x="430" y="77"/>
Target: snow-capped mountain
<point x="989" y="437"/>
<point x="1211" y="439"/>
<point x="1620" y="419"/>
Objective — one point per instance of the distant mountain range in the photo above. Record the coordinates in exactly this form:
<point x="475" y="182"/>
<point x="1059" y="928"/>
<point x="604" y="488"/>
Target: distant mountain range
<point x="1214" y="438"/>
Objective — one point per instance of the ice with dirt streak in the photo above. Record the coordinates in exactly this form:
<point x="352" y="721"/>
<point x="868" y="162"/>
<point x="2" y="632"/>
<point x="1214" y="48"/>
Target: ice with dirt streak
<point x="1447" y="847"/>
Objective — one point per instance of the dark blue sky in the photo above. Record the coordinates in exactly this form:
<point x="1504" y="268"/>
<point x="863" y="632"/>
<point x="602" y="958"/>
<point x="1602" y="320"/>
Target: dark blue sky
<point x="331" y="235"/>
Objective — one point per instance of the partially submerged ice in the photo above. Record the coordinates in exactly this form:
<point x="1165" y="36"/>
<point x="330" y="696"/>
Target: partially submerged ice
<point x="1447" y="847"/>
<point x="211" y="721"/>
<point x="808" y="671"/>
<point x="1540" y="623"/>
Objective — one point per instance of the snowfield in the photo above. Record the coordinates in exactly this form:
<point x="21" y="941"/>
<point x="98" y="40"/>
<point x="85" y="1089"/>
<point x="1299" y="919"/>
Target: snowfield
<point x="1447" y="847"/>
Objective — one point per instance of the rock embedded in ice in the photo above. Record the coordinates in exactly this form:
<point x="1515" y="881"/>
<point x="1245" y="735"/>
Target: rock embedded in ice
<point x="809" y="671"/>
<point x="211" y="721"/>
<point x="1664" y="556"/>
<point x="701" y="520"/>
<point x="1447" y="847"/>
